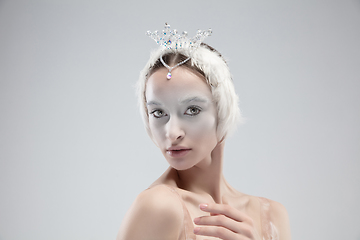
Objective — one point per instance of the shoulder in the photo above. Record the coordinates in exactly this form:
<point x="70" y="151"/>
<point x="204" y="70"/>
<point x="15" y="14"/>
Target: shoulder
<point x="155" y="214"/>
<point x="278" y="216"/>
<point x="159" y="197"/>
<point x="277" y="210"/>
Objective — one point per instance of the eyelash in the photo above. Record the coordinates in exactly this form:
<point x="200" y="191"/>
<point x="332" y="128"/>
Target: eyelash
<point x="198" y="110"/>
<point x="157" y="110"/>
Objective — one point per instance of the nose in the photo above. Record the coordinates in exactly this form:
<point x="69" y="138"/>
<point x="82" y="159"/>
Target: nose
<point x="174" y="131"/>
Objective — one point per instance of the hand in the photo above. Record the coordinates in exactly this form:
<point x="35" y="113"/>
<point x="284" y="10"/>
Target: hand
<point x="225" y="222"/>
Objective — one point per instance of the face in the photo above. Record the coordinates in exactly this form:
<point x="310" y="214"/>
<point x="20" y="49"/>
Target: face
<point x="182" y="117"/>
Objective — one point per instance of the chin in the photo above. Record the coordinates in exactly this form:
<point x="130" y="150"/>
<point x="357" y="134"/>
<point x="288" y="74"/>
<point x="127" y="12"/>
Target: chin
<point x="180" y="165"/>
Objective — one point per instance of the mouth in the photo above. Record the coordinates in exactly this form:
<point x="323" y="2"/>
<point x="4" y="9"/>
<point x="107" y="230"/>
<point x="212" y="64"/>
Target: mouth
<point x="177" y="151"/>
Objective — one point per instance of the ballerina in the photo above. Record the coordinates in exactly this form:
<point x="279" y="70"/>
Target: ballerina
<point x="189" y="107"/>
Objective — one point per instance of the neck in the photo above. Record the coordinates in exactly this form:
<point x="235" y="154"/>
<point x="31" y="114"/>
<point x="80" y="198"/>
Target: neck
<point x="206" y="177"/>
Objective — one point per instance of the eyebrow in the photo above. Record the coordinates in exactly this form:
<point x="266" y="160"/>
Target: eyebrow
<point x="193" y="99"/>
<point x="181" y="101"/>
<point x="153" y="103"/>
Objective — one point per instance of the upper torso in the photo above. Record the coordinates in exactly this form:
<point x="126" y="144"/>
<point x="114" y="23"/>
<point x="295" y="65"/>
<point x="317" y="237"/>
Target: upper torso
<point x="255" y="207"/>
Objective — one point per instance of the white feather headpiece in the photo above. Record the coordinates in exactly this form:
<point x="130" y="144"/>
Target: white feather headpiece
<point x="210" y="62"/>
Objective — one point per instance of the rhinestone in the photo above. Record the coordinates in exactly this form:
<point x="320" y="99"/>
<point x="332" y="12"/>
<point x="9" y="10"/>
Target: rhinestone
<point x="168" y="76"/>
<point x="167" y="37"/>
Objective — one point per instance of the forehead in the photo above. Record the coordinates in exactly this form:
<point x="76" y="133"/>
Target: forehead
<point x="183" y="83"/>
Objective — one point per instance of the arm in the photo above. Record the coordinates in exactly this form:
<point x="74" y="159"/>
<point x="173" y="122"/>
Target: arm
<point x="155" y="215"/>
<point x="280" y="219"/>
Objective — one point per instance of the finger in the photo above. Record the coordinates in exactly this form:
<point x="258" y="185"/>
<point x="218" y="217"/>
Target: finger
<point x="224" y="209"/>
<point x="221" y="221"/>
<point x="218" y="232"/>
<point x="228" y="223"/>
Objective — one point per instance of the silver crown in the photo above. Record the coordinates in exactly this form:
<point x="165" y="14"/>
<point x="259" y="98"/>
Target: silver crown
<point x="170" y="39"/>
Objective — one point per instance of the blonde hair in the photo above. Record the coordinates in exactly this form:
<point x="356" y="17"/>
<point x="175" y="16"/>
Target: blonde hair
<point x="210" y="64"/>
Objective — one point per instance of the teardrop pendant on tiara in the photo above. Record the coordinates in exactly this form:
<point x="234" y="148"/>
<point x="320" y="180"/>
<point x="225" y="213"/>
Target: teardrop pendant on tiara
<point x="168" y="76"/>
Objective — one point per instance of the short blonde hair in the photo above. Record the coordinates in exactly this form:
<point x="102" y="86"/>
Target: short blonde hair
<point x="210" y="64"/>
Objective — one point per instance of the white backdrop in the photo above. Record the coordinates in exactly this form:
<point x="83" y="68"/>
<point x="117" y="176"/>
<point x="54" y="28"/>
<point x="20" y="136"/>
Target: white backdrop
<point x="73" y="150"/>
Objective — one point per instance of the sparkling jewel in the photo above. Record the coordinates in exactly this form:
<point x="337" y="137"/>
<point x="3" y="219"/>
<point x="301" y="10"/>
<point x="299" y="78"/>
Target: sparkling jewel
<point x="170" y="39"/>
<point x="171" y="68"/>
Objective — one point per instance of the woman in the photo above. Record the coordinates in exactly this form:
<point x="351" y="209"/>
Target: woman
<point x="189" y="106"/>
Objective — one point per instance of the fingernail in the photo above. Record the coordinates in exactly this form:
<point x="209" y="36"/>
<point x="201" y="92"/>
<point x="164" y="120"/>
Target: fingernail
<point x="203" y="206"/>
<point x="196" y="230"/>
<point x="196" y="220"/>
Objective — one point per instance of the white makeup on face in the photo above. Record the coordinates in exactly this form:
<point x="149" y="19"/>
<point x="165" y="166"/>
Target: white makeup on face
<point x="182" y="117"/>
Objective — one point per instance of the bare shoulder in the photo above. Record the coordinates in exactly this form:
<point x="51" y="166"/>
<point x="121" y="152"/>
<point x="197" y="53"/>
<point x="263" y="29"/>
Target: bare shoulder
<point x="271" y="211"/>
<point x="277" y="210"/>
<point x="279" y="217"/>
<point x="155" y="214"/>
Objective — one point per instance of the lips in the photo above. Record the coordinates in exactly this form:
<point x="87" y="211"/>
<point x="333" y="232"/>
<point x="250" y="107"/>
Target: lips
<point x="178" y="151"/>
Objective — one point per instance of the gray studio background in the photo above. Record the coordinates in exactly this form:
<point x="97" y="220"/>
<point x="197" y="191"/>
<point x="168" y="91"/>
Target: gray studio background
<point x="73" y="151"/>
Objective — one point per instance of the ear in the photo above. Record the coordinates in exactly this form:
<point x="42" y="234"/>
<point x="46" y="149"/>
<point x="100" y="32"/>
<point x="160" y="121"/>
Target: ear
<point x="222" y="140"/>
<point x="218" y="151"/>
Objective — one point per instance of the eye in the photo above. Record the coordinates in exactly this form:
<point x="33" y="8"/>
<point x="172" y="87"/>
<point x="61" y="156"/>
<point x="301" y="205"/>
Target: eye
<point x="158" y="113"/>
<point x="192" y="111"/>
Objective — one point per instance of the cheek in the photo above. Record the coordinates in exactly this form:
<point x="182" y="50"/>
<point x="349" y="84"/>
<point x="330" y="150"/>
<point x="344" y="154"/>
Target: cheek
<point x="205" y="127"/>
<point x="156" y="129"/>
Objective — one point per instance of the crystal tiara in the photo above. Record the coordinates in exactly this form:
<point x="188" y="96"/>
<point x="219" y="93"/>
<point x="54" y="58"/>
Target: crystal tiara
<point x="170" y="39"/>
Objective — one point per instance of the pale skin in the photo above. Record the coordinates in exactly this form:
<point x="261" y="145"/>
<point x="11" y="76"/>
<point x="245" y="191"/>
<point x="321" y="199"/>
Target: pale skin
<point x="182" y="120"/>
